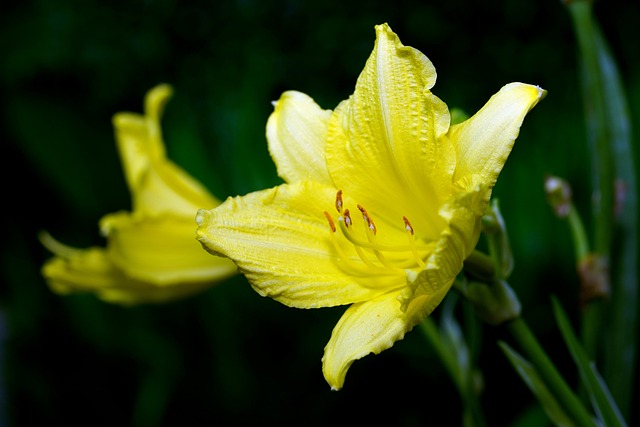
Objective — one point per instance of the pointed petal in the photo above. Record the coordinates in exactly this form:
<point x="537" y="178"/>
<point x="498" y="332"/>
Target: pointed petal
<point x="281" y="240"/>
<point x="364" y="328"/>
<point x="389" y="136"/>
<point x="296" y="132"/>
<point x="161" y="250"/>
<point x="139" y="137"/>
<point x="484" y="141"/>
<point x="74" y="270"/>
<point x="156" y="184"/>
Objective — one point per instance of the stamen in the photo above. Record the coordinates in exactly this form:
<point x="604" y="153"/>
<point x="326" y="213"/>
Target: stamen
<point x="412" y="242"/>
<point x="361" y="247"/>
<point x="339" y="201"/>
<point x="344" y="258"/>
<point x="345" y="222"/>
<point x="344" y="225"/>
<point x="331" y="224"/>
<point x="407" y="225"/>
<point x="367" y="219"/>
<point x="347" y="218"/>
<point x="370" y="230"/>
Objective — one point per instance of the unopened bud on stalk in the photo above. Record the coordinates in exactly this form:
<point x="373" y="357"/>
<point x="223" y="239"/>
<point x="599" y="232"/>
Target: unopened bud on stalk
<point x="495" y="230"/>
<point x="558" y="194"/>
<point x="494" y="302"/>
<point x="594" y="278"/>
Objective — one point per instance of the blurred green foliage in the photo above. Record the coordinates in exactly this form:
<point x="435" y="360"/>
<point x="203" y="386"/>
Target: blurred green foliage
<point x="228" y="356"/>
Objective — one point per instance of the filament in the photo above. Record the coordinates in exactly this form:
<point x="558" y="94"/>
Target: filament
<point x="370" y="250"/>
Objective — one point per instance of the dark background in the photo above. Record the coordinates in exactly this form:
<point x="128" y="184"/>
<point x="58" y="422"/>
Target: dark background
<point x="228" y="356"/>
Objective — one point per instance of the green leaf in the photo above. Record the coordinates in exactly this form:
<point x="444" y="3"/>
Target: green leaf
<point x="530" y="376"/>
<point x="609" y="129"/>
<point x="603" y="403"/>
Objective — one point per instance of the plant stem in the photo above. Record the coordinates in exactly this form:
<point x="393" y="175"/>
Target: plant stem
<point x="580" y="240"/>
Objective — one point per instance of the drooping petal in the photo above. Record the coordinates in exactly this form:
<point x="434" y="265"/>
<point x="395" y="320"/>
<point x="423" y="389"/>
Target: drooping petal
<point x="484" y="141"/>
<point x="74" y="270"/>
<point x="157" y="185"/>
<point x="281" y="240"/>
<point x="161" y="250"/>
<point x="375" y="325"/>
<point x="296" y="132"/>
<point x="386" y="143"/>
<point x="364" y="328"/>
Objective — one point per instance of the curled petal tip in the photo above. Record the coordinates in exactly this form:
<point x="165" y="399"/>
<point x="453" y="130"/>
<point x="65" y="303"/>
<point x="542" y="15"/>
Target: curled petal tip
<point x="200" y="217"/>
<point x="542" y="93"/>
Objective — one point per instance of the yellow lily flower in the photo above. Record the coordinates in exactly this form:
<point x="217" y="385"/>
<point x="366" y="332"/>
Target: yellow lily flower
<point x="151" y="253"/>
<point x="381" y="204"/>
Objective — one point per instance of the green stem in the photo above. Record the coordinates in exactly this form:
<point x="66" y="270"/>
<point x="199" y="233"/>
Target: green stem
<point x="580" y="240"/>
<point x="592" y="312"/>
<point x="536" y="355"/>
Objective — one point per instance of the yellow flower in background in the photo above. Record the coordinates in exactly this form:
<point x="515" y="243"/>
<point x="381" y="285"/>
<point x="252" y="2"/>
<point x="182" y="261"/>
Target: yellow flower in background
<point x="151" y="253"/>
<point x="381" y="204"/>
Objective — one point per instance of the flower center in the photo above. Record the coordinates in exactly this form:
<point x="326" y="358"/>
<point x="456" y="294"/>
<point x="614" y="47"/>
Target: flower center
<point x="370" y="252"/>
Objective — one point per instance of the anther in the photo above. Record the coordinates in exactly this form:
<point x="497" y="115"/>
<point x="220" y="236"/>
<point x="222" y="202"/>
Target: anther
<point x="331" y="224"/>
<point x="412" y="242"/>
<point x="347" y="218"/>
<point x="339" y="201"/>
<point x="407" y="225"/>
<point x="368" y="219"/>
<point x="369" y="251"/>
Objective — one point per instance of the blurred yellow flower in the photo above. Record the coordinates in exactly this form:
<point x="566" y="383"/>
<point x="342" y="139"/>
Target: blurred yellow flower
<point x="381" y="203"/>
<point x="151" y="253"/>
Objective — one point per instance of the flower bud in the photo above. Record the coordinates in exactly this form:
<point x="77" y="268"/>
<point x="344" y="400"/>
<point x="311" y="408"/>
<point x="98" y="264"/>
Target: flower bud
<point x="494" y="302"/>
<point x="558" y="194"/>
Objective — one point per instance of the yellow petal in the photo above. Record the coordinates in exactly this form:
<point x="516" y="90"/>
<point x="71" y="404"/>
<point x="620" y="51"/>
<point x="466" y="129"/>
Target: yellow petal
<point x="281" y="240"/>
<point x="74" y="270"/>
<point x="386" y="143"/>
<point x="129" y="296"/>
<point x="157" y="185"/>
<point x="484" y="141"/>
<point x="154" y="104"/>
<point x="364" y="328"/>
<point x="456" y="242"/>
<point x="296" y="131"/>
<point x="161" y="250"/>
<point x="139" y="137"/>
<point x="167" y="188"/>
